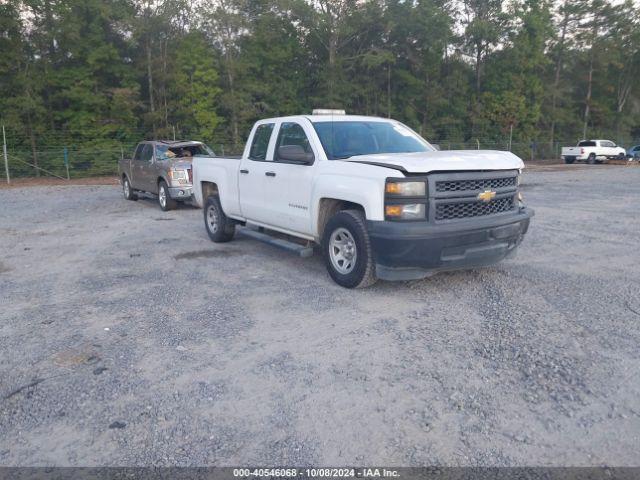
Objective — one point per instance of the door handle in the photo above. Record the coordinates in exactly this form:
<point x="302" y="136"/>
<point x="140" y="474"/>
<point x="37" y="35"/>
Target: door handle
<point x="270" y="174"/>
<point x="244" y="171"/>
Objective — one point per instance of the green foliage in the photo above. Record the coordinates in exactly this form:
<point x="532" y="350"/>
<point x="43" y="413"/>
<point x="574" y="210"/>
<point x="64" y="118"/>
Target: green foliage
<point x="195" y="87"/>
<point x="99" y="76"/>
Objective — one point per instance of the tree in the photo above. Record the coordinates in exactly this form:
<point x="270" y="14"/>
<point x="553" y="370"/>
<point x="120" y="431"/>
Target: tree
<point x="485" y="25"/>
<point x="195" y="87"/>
<point x="569" y="13"/>
<point x="225" y="23"/>
<point x="89" y="73"/>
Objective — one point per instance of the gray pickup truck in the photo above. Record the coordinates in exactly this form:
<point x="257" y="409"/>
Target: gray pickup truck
<point x="162" y="168"/>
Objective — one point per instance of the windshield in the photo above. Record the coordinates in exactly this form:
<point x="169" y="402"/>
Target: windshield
<point x="347" y="139"/>
<point x="166" y="152"/>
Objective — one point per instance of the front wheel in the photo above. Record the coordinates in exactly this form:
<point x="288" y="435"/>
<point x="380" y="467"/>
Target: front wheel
<point x="219" y="227"/>
<point x="164" y="198"/>
<point x="346" y="249"/>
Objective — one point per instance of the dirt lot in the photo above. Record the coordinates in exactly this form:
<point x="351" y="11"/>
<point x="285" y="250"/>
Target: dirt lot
<point x="128" y="338"/>
<point x="53" y="181"/>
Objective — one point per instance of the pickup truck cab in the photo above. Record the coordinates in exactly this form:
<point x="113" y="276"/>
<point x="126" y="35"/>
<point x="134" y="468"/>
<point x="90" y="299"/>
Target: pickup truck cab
<point x="162" y="168"/>
<point x="593" y="151"/>
<point x="379" y="200"/>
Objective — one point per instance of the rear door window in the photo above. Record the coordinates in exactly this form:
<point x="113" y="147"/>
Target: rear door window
<point x="587" y="143"/>
<point x="260" y="142"/>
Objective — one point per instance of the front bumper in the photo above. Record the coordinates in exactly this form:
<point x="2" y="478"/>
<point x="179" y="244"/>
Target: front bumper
<point x="412" y="250"/>
<point x="181" y="193"/>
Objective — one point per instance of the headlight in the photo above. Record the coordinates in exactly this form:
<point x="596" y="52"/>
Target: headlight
<point x="406" y="189"/>
<point x="409" y="211"/>
<point x="178" y="175"/>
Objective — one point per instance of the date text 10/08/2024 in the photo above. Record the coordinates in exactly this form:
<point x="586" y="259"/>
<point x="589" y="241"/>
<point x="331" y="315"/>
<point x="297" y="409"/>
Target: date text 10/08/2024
<point x="315" y="472"/>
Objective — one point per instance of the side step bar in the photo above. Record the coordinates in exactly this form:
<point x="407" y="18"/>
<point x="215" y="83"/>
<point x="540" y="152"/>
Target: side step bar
<point x="301" y="250"/>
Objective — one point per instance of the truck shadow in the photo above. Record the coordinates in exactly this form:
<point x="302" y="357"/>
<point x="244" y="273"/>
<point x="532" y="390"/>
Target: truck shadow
<point x="149" y="200"/>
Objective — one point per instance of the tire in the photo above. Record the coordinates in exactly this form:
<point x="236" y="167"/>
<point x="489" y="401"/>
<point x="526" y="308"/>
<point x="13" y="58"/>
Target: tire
<point x="164" y="199"/>
<point x="347" y="230"/>
<point x="219" y="227"/>
<point x="128" y="192"/>
<point x="569" y="160"/>
<point x="621" y="156"/>
<point x="591" y="160"/>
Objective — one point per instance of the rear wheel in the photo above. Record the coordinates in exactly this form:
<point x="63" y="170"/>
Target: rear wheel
<point x="164" y="198"/>
<point x="591" y="159"/>
<point x="569" y="160"/>
<point x="347" y="250"/>
<point x="127" y="191"/>
<point x="219" y="227"/>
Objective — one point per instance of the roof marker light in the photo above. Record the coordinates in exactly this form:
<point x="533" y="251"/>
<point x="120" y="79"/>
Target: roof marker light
<point x="327" y="111"/>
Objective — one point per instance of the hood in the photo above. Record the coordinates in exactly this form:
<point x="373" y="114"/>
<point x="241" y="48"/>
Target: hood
<point x="448" y="160"/>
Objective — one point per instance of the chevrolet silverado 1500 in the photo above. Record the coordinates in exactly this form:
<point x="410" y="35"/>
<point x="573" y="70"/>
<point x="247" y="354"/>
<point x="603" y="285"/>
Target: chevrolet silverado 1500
<point x="162" y="168"/>
<point x="379" y="200"/>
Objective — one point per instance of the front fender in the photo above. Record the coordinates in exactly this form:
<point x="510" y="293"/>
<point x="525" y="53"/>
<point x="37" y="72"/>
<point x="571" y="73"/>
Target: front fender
<point x="367" y="192"/>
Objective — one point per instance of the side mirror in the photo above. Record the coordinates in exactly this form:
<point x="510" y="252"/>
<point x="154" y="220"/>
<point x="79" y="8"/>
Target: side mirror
<point x="294" y="154"/>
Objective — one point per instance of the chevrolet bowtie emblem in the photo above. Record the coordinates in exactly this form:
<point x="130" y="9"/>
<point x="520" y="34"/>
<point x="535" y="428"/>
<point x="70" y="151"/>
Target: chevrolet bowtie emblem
<point x="487" y="195"/>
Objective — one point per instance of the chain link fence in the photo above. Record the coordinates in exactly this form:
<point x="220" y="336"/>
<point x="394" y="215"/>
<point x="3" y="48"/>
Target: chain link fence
<point x="74" y="162"/>
<point x="71" y="163"/>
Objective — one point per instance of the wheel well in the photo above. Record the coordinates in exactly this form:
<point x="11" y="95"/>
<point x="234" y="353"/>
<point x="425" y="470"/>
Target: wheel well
<point x="208" y="189"/>
<point x="160" y="179"/>
<point x="329" y="207"/>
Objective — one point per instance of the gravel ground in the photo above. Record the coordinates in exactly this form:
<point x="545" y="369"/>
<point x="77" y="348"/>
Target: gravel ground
<point x="128" y="338"/>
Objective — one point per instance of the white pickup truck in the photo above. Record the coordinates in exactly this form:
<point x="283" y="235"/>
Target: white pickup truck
<point x="593" y="151"/>
<point x="379" y="200"/>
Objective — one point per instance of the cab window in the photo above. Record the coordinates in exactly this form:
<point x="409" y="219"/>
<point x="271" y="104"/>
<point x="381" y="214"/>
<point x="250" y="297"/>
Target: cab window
<point x="138" y="153"/>
<point x="260" y="142"/>
<point x="147" y="153"/>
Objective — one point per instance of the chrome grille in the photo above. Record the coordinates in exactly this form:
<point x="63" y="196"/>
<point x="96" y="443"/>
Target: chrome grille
<point x="479" y="184"/>
<point x="458" y="210"/>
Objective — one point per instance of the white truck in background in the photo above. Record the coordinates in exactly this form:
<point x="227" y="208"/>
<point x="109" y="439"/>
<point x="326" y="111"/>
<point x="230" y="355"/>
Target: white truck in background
<point x="593" y="151"/>
<point x="379" y="200"/>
